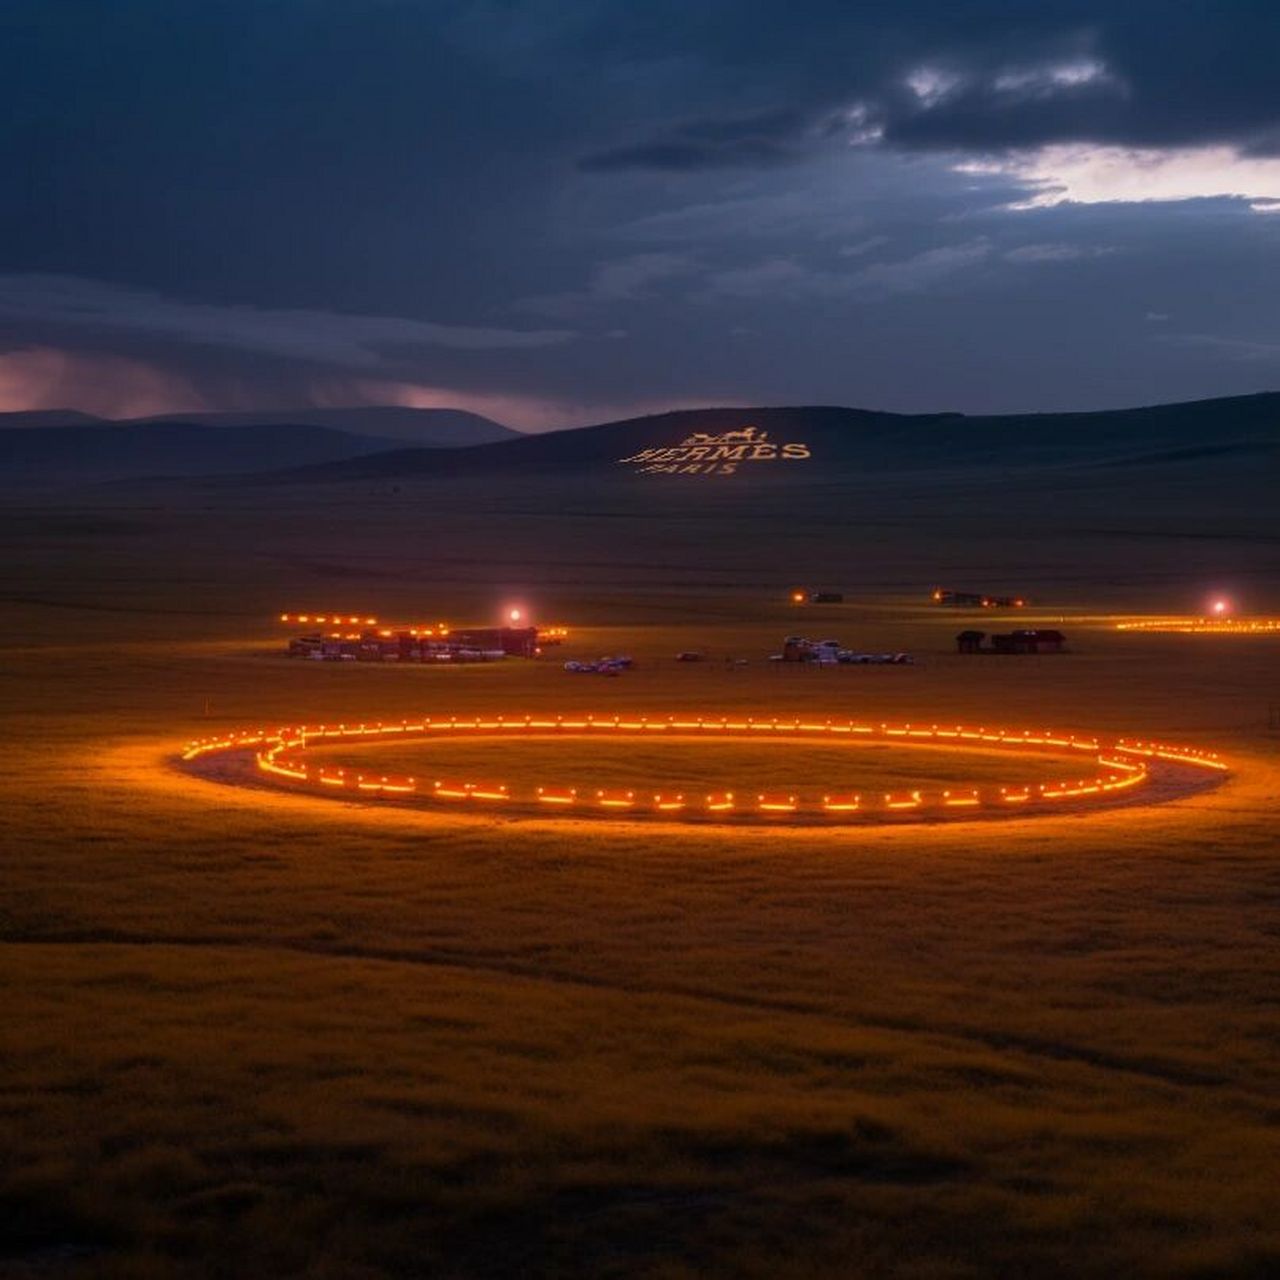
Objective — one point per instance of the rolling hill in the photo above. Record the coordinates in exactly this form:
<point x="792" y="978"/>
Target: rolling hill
<point x="58" y="455"/>
<point x="813" y="445"/>
<point x="425" y="428"/>
<point x="22" y="419"/>
<point x="49" y="447"/>
<point x="826" y="442"/>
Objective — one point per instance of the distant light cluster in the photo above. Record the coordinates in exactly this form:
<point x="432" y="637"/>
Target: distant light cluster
<point x="353" y="619"/>
<point x="330" y="619"/>
<point x="1219" y="626"/>
<point x="430" y="630"/>
<point x="1121" y="764"/>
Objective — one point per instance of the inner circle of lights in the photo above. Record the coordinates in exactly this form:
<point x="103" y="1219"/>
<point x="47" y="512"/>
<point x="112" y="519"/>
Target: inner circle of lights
<point x="1107" y="766"/>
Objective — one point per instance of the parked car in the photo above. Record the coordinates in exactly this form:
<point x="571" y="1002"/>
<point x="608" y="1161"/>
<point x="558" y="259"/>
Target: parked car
<point x="603" y="667"/>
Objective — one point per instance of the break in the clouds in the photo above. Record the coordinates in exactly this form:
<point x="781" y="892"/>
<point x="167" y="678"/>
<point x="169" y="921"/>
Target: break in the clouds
<point x="1085" y="174"/>
<point x="556" y="208"/>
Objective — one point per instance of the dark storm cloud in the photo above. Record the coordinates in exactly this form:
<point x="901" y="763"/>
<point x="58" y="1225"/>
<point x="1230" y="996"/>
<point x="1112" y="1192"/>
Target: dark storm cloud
<point x="321" y="336"/>
<point x="1007" y="74"/>
<point x="766" y="139"/>
<point x="570" y="206"/>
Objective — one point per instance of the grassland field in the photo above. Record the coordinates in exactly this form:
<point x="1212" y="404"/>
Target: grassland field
<point x="692" y="765"/>
<point x="255" y="1034"/>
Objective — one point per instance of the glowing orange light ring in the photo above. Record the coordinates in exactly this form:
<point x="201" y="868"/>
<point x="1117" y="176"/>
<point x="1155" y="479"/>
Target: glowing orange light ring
<point x="278" y="755"/>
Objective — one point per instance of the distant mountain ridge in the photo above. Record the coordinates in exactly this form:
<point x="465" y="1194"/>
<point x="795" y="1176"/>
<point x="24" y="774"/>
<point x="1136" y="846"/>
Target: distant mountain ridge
<point x="427" y="428"/>
<point x="814" y="444"/>
<point x="44" y="456"/>
<point x="840" y="440"/>
<point x="24" y="419"/>
<point x="56" y="446"/>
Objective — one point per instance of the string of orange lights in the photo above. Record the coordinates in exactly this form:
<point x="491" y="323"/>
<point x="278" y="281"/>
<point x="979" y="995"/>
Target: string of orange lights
<point x="1204" y="626"/>
<point x="420" y="630"/>
<point x="1121" y="763"/>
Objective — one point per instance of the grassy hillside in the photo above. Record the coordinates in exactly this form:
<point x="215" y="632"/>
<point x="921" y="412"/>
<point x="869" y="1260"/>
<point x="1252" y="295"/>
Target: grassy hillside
<point x="58" y="448"/>
<point x="430" y="428"/>
<point x="61" y="455"/>
<point x="852" y="440"/>
<point x="24" y="418"/>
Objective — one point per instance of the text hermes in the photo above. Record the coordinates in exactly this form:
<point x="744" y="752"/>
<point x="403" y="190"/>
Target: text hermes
<point x="703" y="454"/>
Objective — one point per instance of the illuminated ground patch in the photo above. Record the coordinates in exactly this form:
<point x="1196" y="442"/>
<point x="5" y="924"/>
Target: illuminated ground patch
<point x="707" y="768"/>
<point x="686" y="763"/>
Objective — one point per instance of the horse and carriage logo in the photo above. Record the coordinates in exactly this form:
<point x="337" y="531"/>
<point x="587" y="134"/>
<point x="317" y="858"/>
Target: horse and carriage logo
<point x="745" y="435"/>
<point x="705" y="453"/>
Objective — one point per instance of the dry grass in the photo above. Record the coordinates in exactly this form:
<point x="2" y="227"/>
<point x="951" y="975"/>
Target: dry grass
<point x="697" y="765"/>
<point x="253" y="1034"/>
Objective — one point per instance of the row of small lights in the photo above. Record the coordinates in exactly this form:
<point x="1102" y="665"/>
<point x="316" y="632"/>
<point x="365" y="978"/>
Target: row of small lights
<point x="1214" y="626"/>
<point x="339" y="620"/>
<point x="422" y="629"/>
<point x="274" y="747"/>
<point x="1219" y="621"/>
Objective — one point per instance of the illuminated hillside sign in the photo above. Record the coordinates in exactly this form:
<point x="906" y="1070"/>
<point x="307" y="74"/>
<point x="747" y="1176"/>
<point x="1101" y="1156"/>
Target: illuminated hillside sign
<point x="705" y="454"/>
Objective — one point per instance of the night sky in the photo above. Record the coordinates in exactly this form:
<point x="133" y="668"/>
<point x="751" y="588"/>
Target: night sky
<point x="560" y="211"/>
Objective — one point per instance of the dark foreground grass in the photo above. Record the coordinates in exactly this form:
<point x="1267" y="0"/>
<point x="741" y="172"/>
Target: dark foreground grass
<point x="266" y="1110"/>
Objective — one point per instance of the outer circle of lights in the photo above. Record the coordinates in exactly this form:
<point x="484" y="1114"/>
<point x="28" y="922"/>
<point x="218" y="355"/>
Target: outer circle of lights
<point x="1115" y="765"/>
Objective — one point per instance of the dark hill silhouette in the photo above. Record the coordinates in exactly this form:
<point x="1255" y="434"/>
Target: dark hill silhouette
<point x="23" y="419"/>
<point x="844" y="441"/>
<point x="424" y="428"/>
<point x="51" y="455"/>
